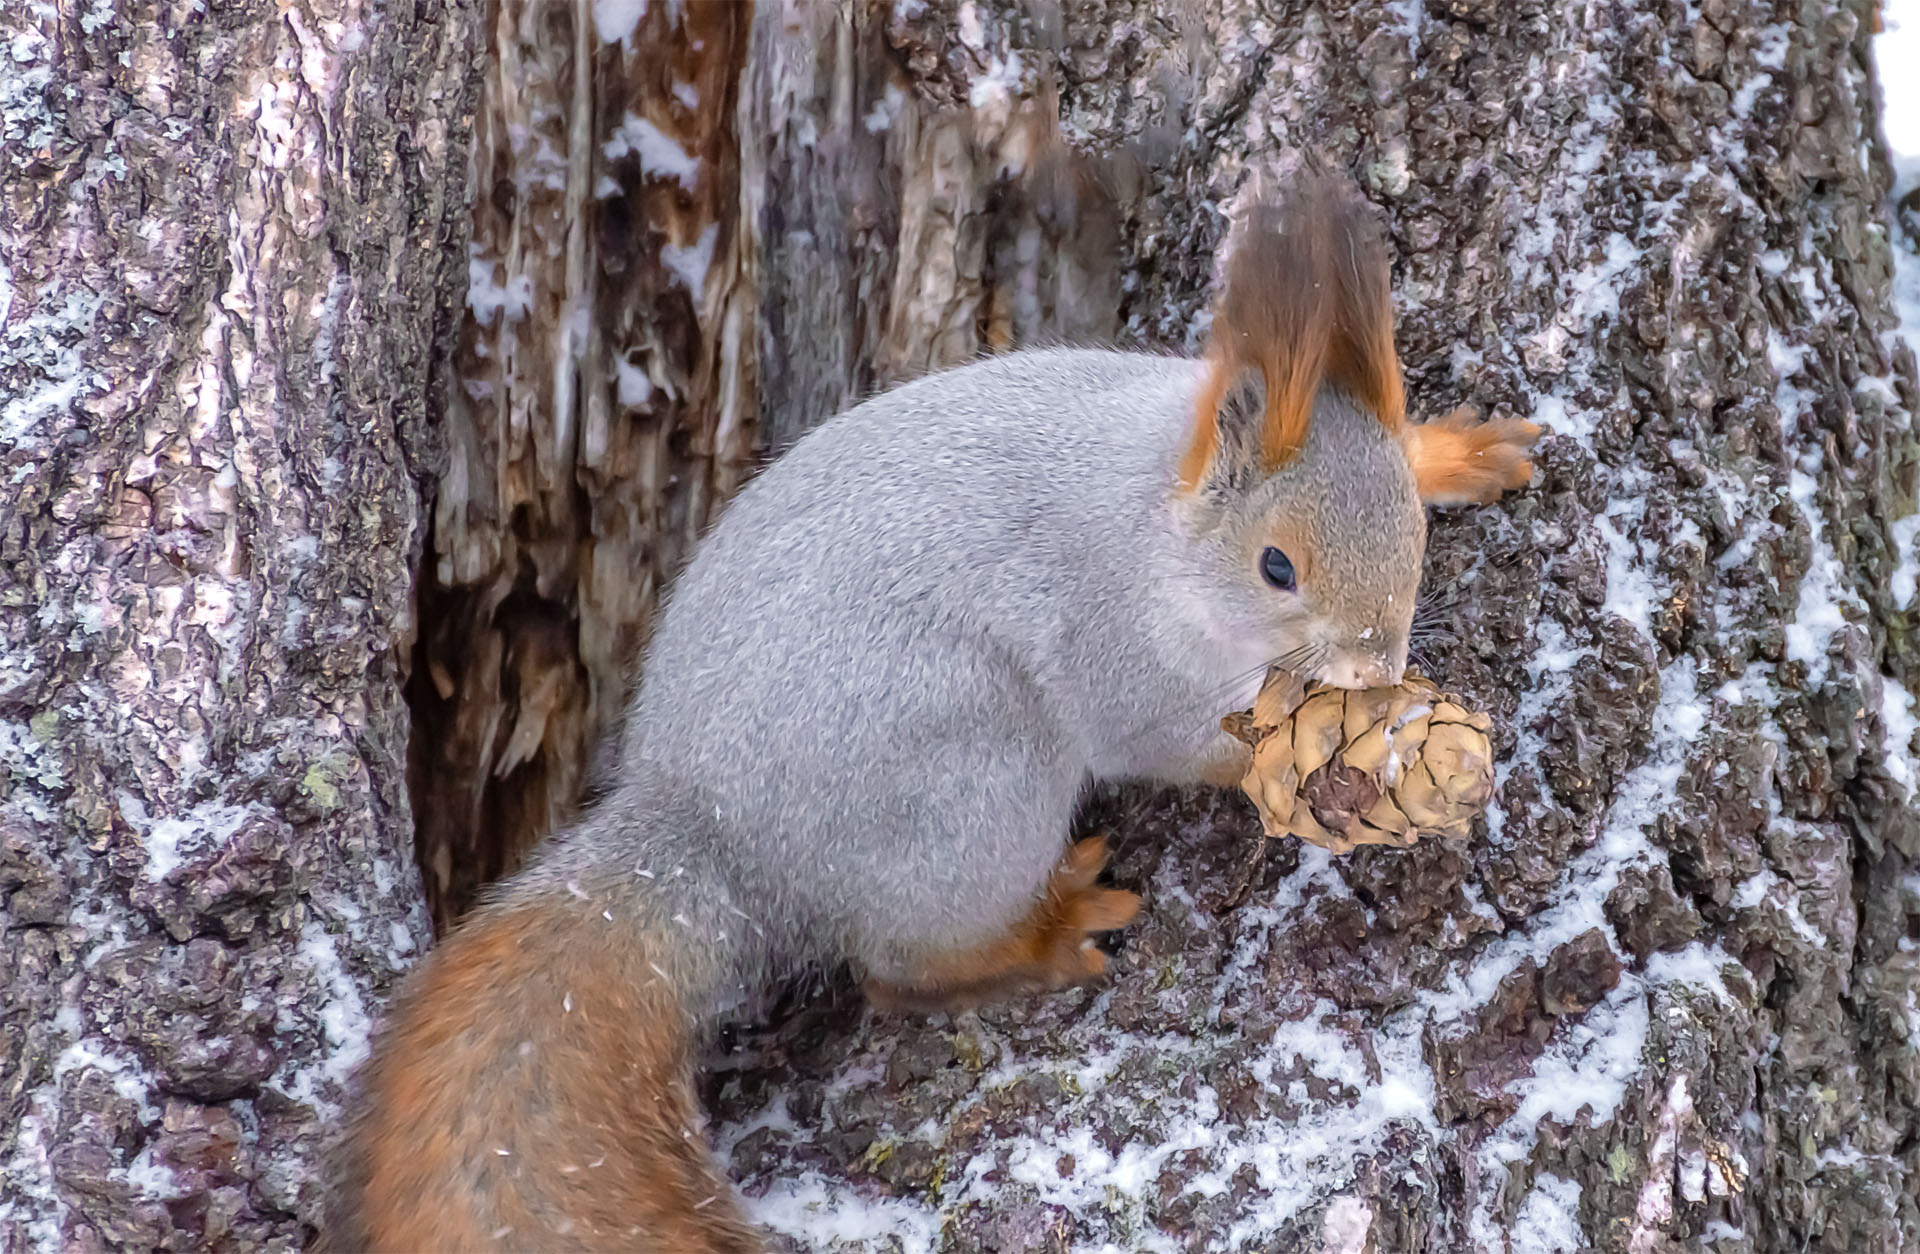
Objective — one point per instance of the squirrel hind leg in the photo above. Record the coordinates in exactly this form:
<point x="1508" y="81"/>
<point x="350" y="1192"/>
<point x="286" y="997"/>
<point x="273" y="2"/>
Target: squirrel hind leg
<point x="1050" y="947"/>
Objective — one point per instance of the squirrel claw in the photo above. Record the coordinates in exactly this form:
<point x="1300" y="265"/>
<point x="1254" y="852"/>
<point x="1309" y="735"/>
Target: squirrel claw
<point x="1082" y="906"/>
<point x="1052" y="947"/>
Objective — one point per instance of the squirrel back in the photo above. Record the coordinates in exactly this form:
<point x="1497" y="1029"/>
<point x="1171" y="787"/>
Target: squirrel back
<point x="869" y="709"/>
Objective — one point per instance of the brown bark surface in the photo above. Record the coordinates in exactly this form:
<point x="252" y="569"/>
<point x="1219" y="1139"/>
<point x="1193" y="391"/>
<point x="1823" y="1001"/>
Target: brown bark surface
<point x="231" y="239"/>
<point x="606" y="403"/>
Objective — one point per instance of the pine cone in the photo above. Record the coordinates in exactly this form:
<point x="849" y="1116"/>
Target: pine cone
<point x="1384" y="766"/>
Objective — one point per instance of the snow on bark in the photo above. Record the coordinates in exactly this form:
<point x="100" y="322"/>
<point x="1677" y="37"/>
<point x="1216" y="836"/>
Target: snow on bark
<point x="226" y="245"/>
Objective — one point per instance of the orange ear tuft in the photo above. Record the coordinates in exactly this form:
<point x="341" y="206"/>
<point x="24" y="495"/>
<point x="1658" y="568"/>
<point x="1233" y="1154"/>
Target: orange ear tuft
<point x="1362" y="357"/>
<point x="1306" y="300"/>
<point x="1205" y="439"/>
<point x="1459" y="461"/>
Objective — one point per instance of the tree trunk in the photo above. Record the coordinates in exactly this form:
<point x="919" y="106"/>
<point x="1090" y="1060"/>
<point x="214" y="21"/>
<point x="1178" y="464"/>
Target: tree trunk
<point x="1664" y="996"/>
<point x="230" y="255"/>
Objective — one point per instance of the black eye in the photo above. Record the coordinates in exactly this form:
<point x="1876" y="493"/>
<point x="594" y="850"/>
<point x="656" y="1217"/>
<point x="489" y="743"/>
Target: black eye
<point x="1278" y="569"/>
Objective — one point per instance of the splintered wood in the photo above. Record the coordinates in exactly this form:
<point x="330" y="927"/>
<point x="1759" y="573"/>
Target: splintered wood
<point x="1383" y="766"/>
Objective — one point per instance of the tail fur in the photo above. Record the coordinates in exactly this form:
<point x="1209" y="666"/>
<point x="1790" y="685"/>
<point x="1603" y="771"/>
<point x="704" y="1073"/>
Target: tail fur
<point x="1305" y="300"/>
<point x="534" y="1090"/>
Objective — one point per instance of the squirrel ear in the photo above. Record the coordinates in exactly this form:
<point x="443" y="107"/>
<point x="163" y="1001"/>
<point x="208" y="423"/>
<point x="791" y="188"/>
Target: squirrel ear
<point x="1459" y="460"/>
<point x="1225" y="444"/>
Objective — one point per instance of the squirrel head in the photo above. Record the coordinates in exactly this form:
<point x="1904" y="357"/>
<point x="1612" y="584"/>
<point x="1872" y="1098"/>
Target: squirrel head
<point x="1294" y="485"/>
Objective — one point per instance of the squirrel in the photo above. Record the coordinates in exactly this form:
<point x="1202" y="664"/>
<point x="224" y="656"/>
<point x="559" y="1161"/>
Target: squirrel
<point x="870" y="707"/>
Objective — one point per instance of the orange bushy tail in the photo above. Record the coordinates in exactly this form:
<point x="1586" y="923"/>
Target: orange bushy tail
<point x="533" y="1090"/>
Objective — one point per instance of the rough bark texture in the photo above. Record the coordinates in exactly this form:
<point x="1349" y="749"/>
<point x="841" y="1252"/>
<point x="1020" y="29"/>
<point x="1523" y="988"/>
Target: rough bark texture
<point x="230" y="251"/>
<point x="606" y="404"/>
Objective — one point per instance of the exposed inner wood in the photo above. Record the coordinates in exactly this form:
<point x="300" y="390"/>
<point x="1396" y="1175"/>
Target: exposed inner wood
<point x="655" y="303"/>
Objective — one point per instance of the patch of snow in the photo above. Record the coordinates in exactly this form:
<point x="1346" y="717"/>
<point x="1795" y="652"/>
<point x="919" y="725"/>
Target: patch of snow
<point x="658" y="152"/>
<point x="690" y="263"/>
<point x="98" y="16"/>
<point x="998" y="85"/>
<point x="616" y="20"/>
<point x="1556" y="415"/>
<point x="489" y="299"/>
<point x="1587" y="1066"/>
<point x="1549" y="673"/>
<point x="1548" y="1219"/>
<point x="1698" y="965"/>
<point x="1905" y="533"/>
<point x="823" y="1211"/>
<point x="344" y="1020"/>
<point x="1770" y="50"/>
<point x="1413" y="23"/>
<point x="172" y="839"/>
<point x="885" y="110"/>
<point x="1345" y="1227"/>
<point x="1824" y="592"/>
<point x="1898" y="719"/>
<point x="130" y="1080"/>
<point x="152" y="1178"/>
<point x="1631" y="593"/>
<point x="633" y="386"/>
<point x="32" y="1200"/>
<point x="48" y="343"/>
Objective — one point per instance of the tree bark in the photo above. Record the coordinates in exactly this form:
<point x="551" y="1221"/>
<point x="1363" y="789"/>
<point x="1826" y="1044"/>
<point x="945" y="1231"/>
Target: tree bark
<point x="230" y="257"/>
<point x="606" y="404"/>
<point x="1664" y="996"/>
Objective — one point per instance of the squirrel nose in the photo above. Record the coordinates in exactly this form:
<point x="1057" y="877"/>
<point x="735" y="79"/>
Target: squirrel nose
<point x="1349" y="671"/>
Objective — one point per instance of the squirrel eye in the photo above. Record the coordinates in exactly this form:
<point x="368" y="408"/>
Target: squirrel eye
<point x="1277" y="568"/>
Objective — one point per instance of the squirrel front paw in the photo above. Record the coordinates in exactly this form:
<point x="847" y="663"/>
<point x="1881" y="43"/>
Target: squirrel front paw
<point x="1051" y="947"/>
<point x="1459" y="460"/>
